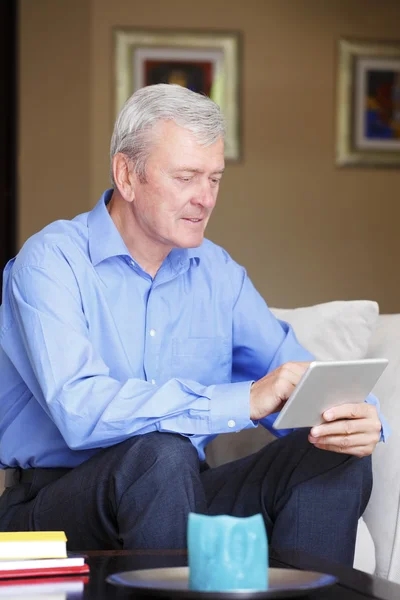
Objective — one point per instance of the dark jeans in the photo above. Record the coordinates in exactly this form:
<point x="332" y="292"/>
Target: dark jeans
<point x="138" y="494"/>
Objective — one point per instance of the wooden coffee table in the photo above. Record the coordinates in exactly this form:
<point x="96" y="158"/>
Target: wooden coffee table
<point x="352" y="584"/>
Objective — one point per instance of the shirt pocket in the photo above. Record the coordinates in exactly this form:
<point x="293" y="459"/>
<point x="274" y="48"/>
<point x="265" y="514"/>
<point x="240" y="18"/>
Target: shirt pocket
<point x="205" y="360"/>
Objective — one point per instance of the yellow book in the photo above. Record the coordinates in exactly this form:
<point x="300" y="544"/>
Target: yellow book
<point x="32" y="544"/>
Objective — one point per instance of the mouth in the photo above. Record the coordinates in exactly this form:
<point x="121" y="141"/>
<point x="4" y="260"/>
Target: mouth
<point x="194" y="221"/>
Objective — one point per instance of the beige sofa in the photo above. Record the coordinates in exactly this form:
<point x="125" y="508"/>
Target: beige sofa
<point x="350" y="330"/>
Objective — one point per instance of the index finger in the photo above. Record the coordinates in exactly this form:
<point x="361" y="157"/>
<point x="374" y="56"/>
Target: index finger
<point x="347" y="411"/>
<point x="292" y="371"/>
<point x="299" y="368"/>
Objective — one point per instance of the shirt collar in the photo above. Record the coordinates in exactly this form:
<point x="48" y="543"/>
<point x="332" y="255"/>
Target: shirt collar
<point x="105" y="241"/>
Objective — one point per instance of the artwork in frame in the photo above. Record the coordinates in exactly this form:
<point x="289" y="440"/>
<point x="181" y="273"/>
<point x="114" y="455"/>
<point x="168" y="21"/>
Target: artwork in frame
<point x="368" y="104"/>
<point x="205" y="62"/>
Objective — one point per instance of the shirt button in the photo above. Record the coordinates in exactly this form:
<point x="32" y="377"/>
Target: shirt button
<point x="133" y="264"/>
<point x="152" y="332"/>
<point x="153" y="381"/>
<point x="231" y="423"/>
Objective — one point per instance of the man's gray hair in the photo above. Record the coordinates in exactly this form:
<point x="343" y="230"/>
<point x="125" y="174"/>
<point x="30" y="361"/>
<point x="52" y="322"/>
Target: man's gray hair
<point x="163" y="102"/>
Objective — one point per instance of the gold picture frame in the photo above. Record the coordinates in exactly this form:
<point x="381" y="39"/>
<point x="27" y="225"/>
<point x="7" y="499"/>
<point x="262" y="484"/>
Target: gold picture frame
<point x="368" y="104"/>
<point x="207" y="62"/>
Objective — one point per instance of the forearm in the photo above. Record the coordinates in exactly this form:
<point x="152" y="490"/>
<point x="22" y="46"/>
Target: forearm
<point x="98" y="412"/>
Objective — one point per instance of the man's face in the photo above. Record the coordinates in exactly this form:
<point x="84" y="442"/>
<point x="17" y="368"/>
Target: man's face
<point x="172" y="207"/>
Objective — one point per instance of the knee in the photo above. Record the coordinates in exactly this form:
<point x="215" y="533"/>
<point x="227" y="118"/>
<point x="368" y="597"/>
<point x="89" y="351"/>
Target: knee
<point x="361" y="471"/>
<point x="168" y="454"/>
<point x="353" y="481"/>
<point x="173" y="450"/>
<point x="356" y="484"/>
<point x="363" y="468"/>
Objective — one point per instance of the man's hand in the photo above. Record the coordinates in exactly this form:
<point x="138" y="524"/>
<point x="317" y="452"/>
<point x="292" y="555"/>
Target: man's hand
<point x="269" y="394"/>
<point x="350" y="428"/>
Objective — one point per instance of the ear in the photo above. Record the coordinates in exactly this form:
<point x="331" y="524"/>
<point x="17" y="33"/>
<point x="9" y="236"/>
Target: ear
<point x="124" y="176"/>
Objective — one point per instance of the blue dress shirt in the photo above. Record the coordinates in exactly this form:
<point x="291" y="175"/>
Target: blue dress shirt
<point x="94" y="351"/>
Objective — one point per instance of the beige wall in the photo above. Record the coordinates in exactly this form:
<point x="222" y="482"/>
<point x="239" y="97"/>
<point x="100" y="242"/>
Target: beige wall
<point x="54" y="108"/>
<point x="307" y="231"/>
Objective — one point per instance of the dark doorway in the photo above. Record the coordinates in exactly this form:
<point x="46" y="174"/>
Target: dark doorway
<point x="8" y="129"/>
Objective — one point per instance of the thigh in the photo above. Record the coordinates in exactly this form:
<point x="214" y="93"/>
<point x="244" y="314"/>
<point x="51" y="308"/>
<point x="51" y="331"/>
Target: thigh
<point x="263" y="481"/>
<point x="10" y="500"/>
<point x="235" y="487"/>
<point x="78" y="503"/>
<point x="85" y="502"/>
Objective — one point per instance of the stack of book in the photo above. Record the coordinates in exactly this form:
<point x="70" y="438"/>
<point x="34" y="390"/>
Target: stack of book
<point x="37" y="554"/>
<point x="43" y="588"/>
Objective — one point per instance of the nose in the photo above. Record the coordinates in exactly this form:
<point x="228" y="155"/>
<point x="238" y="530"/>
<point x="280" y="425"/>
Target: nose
<point x="207" y="195"/>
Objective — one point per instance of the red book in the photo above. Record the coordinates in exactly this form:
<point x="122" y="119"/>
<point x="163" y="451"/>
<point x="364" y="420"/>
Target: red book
<point x="43" y="567"/>
<point x="46" y="582"/>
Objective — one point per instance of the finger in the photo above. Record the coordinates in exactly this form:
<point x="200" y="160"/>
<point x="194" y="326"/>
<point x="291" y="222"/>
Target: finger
<point x="349" y="411"/>
<point x="359" y="451"/>
<point x="342" y="443"/>
<point x="292" y="372"/>
<point x="283" y="389"/>
<point x="346" y="427"/>
<point x="298" y="368"/>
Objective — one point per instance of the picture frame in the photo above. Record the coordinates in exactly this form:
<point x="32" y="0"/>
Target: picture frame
<point x="205" y="61"/>
<point x="368" y="104"/>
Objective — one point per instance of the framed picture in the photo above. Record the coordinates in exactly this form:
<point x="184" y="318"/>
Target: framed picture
<point x="368" y="104"/>
<point x="205" y="62"/>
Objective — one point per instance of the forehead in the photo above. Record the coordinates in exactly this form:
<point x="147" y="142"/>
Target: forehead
<point x="172" y="143"/>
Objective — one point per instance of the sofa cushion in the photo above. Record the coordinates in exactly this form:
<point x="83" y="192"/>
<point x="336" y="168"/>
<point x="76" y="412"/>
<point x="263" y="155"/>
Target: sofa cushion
<point x="339" y="330"/>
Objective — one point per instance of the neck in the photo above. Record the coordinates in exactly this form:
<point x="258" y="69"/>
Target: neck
<point x="147" y="254"/>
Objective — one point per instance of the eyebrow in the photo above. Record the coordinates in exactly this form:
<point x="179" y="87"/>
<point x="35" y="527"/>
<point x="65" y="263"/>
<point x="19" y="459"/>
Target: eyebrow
<point x="191" y="170"/>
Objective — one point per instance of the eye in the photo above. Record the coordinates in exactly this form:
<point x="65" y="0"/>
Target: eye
<point x="215" y="181"/>
<point x="184" y="179"/>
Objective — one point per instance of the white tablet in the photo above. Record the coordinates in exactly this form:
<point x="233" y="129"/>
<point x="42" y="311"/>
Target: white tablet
<point x="327" y="384"/>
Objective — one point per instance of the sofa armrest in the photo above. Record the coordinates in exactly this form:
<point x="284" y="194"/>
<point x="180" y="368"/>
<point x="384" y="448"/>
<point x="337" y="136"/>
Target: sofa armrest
<point x="382" y="515"/>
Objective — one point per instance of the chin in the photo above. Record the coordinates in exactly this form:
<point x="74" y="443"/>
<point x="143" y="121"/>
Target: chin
<point x="190" y="242"/>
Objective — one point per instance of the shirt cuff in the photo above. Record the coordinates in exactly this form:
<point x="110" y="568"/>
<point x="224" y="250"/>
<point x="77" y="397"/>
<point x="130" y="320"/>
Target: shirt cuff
<point x="230" y="407"/>
<point x="268" y="423"/>
<point x="385" y="429"/>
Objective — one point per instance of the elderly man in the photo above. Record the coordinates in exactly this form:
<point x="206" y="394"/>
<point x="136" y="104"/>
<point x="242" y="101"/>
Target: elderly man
<point x="128" y="342"/>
